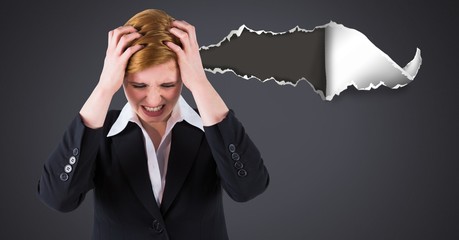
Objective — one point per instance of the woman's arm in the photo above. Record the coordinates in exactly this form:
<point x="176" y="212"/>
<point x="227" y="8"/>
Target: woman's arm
<point x="96" y="107"/>
<point x="239" y="163"/>
<point x="69" y="171"/>
<point x="211" y="106"/>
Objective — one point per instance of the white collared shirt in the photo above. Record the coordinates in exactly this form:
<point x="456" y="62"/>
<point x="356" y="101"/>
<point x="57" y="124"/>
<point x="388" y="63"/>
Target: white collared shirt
<point x="158" y="159"/>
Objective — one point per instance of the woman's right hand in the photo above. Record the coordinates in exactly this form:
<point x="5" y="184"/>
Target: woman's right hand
<point x="117" y="57"/>
<point x="95" y="109"/>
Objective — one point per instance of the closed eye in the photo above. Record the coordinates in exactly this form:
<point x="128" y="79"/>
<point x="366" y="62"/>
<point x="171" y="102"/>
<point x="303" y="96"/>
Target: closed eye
<point x="168" y="85"/>
<point x="139" y="85"/>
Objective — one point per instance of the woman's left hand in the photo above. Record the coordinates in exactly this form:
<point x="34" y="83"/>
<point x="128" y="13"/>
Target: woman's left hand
<point x="189" y="59"/>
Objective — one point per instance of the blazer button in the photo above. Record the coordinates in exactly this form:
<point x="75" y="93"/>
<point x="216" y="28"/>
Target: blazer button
<point x="238" y="165"/>
<point x="72" y="160"/>
<point x="64" y="177"/>
<point x="242" y="173"/>
<point x="235" y="157"/>
<point x="232" y="148"/>
<point x="68" y="168"/>
<point x="157" y="226"/>
<point x="76" y="151"/>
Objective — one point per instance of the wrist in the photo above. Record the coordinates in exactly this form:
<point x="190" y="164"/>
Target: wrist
<point x="105" y="91"/>
<point x="198" y="86"/>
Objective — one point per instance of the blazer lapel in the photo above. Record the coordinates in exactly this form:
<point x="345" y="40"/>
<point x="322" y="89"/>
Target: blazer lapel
<point x="130" y="151"/>
<point x="185" y="143"/>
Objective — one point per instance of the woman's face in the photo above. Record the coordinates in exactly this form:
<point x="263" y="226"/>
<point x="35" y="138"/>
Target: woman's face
<point x="153" y="92"/>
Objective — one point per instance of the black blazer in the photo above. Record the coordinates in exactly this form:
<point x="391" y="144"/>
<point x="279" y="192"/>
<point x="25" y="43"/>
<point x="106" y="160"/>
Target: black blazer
<point x="116" y="169"/>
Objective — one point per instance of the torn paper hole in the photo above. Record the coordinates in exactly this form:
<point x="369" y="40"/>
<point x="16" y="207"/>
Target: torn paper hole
<point x="329" y="57"/>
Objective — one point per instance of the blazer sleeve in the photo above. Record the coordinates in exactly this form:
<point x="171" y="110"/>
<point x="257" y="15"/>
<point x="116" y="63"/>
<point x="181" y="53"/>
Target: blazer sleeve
<point x="68" y="173"/>
<point x="239" y="163"/>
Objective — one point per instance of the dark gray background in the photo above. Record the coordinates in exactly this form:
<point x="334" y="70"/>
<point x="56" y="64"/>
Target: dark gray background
<point x="369" y="165"/>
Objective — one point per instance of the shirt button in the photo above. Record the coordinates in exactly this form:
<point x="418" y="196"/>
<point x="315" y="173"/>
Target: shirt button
<point x="72" y="160"/>
<point x="242" y="173"/>
<point x="232" y="148"/>
<point x="235" y="157"/>
<point x="68" y="168"/>
<point x="238" y="165"/>
<point x="64" y="177"/>
<point x="76" y="151"/>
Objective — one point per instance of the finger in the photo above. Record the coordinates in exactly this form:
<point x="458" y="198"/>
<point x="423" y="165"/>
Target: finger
<point x="186" y="27"/>
<point x="125" y="40"/>
<point x="114" y="35"/>
<point x="183" y="36"/>
<point x="110" y="36"/>
<point x="120" y="32"/>
<point x="175" y="48"/>
<point x="130" y="51"/>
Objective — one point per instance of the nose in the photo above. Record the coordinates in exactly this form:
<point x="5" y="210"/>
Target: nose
<point x="154" y="97"/>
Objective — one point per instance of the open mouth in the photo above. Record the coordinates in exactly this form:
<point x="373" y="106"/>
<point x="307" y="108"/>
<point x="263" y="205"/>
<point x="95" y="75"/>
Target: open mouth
<point x="153" y="111"/>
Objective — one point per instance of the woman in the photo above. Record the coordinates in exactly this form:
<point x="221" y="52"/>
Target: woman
<point x="156" y="166"/>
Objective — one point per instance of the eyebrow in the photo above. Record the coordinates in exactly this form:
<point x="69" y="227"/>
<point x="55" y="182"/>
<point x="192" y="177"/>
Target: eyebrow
<point x="134" y="82"/>
<point x="166" y="82"/>
<point x="170" y="82"/>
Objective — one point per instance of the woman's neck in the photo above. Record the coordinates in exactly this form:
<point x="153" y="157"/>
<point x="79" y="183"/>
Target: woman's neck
<point x="155" y="131"/>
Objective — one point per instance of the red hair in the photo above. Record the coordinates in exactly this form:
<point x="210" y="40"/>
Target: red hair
<point x="154" y="25"/>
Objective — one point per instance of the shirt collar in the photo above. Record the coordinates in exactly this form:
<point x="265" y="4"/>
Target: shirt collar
<point x="182" y="111"/>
